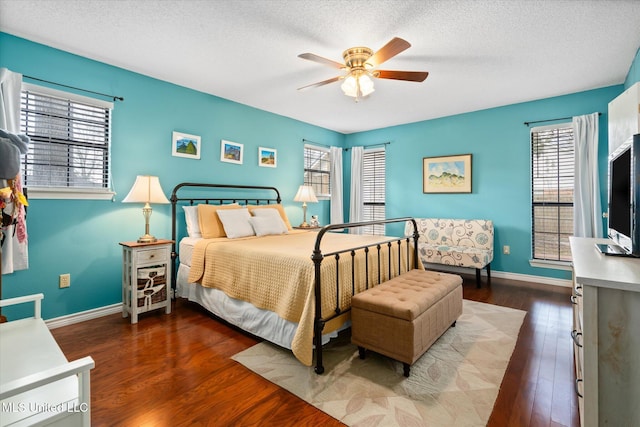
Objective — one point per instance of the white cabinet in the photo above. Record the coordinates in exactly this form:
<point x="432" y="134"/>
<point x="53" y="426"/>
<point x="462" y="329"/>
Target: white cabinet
<point x="624" y="117"/>
<point x="606" y="335"/>
<point x="146" y="277"/>
<point x="38" y="386"/>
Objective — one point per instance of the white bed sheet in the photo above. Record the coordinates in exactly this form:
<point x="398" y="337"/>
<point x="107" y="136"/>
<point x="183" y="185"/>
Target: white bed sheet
<point x="262" y="323"/>
<point x="185" y="248"/>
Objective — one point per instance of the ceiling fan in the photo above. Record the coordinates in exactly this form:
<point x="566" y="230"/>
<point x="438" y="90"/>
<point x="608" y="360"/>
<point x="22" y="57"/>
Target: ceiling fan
<point x="361" y="64"/>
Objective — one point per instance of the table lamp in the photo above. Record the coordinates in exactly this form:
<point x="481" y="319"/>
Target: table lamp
<point x="146" y="190"/>
<point x="305" y="194"/>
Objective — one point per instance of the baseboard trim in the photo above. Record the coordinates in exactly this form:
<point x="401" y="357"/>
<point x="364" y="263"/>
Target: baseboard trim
<point x="82" y="316"/>
<point x="542" y="280"/>
<point x="527" y="278"/>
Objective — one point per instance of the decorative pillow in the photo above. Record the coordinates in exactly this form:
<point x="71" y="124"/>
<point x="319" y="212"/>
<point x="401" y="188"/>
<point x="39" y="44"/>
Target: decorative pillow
<point x="274" y="216"/>
<point x="266" y="225"/>
<point x="210" y="225"/>
<point x="278" y="207"/>
<point x="191" y="218"/>
<point x="236" y="222"/>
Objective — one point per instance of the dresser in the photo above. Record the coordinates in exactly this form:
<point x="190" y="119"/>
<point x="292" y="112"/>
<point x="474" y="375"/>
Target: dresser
<point x="606" y="334"/>
<point x="38" y="385"/>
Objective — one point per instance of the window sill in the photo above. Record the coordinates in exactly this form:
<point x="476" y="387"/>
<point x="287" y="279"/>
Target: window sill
<point x="69" y="193"/>
<point x="556" y="265"/>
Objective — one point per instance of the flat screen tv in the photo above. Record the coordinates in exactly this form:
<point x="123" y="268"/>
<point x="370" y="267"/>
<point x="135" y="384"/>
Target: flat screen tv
<point x="624" y="198"/>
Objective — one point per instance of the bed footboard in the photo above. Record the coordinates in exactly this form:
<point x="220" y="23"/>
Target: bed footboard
<point x="318" y="257"/>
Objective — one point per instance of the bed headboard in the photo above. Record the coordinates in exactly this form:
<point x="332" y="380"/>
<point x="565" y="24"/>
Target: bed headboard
<point x="214" y="194"/>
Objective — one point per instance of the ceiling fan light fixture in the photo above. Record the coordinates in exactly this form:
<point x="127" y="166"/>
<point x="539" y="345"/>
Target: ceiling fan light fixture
<point x="356" y="86"/>
<point x="350" y="87"/>
<point x="366" y="85"/>
<point x="361" y="65"/>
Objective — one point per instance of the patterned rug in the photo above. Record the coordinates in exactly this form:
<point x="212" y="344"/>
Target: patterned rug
<point x="455" y="383"/>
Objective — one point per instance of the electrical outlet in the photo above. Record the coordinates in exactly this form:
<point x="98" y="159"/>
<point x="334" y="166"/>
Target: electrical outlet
<point x="506" y="250"/>
<point x="65" y="280"/>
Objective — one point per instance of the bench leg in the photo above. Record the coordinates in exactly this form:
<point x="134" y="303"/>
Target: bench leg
<point x="453" y="325"/>
<point x="361" y="352"/>
<point x="406" y="367"/>
<point x="489" y="274"/>
<point x="478" y="278"/>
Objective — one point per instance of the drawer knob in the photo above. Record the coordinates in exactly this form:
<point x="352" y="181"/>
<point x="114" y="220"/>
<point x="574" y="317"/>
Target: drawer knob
<point x="578" y="381"/>
<point x="574" y="335"/>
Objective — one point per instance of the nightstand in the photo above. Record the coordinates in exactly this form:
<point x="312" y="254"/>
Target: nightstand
<point x="146" y="276"/>
<point x="306" y="228"/>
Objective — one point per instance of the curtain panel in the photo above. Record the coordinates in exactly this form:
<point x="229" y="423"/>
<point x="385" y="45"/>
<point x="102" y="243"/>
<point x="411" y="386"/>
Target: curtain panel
<point x="587" y="208"/>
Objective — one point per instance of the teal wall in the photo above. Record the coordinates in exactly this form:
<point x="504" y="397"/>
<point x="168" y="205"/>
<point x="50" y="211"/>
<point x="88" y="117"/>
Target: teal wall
<point x="634" y="71"/>
<point x="499" y="143"/>
<point x="81" y="237"/>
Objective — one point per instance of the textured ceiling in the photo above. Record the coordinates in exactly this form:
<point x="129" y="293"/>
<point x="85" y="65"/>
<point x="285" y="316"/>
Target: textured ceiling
<point x="479" y="53"/>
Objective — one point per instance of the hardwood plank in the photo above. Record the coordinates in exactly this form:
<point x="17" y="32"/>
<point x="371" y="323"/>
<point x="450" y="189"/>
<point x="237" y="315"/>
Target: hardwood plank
<point x="176" y="369"/>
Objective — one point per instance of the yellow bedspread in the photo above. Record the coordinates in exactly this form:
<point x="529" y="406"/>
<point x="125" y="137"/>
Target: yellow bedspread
<point x="276" y="273"/>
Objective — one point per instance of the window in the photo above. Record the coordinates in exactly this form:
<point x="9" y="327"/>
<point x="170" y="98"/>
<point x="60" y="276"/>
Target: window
<point x="69" y="151"/>
<point x="373" y="189"/>
<point x="317" y="170"/>
<point x="552" y="172"/>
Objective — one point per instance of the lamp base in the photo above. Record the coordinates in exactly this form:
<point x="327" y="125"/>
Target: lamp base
<point x="147" y="238"/>
<point x="304" y="225"/>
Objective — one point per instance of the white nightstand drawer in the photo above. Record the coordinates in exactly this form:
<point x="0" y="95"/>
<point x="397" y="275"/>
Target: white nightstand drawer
<point x="151" y="255"/>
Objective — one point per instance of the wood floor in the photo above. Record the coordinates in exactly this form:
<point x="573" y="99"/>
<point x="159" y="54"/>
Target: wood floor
<point x="175" y="370"/>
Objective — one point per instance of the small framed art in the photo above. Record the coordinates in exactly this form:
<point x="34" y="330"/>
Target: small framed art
<point x="185" y="145"/>
<point x="231" y="152"/>
<point x="446" y="174"/>
<point x="267" y="157"/>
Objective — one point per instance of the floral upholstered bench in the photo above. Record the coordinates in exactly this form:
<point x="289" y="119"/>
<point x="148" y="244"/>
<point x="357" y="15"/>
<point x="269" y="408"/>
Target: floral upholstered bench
<point x="456" y="242"/>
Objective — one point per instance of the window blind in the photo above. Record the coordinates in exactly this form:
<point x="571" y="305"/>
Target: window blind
<point x="317" y="170"/>
<point x="69" y="141"/>
<point x="552" y="166"/>
<point x="373" y="189"/>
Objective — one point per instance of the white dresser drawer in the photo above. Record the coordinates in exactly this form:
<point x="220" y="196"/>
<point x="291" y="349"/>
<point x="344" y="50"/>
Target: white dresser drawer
<point x="151" y="255"/>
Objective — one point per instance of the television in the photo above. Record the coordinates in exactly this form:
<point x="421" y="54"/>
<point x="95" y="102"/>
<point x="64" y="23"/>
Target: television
<point x="624" y="199"/>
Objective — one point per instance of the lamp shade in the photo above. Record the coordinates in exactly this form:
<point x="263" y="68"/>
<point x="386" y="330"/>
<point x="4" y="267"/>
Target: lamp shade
<point x="146" y="189"/>
<point x="305" y="194"/>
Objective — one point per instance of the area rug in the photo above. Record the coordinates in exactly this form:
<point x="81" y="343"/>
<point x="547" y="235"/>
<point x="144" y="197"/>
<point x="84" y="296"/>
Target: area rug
<point x="454" y="384"/>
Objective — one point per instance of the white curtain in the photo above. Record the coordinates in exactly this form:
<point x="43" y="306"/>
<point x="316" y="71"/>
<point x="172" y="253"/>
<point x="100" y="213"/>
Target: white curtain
<point x="337" y="211"/>
<point x="355" y="206"/>
<point x="587" y="211"/>
<point x="14" y="251"/>
<point x="10" y="92"/>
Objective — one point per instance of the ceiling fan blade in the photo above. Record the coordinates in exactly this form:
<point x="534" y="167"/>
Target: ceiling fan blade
<point x="388" y="51"/>
<point x="322" y="83"/>
<point x="315" y="58"/>
<point x="412" y="76"/>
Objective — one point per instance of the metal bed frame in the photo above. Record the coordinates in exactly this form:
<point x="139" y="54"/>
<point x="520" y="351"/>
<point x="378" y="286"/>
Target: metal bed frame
<point x="317" y="257"/>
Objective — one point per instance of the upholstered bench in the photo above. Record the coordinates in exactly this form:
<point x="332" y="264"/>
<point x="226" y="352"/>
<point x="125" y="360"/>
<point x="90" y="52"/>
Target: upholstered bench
<point x="456" y="242"/>
<point x="402" y="317"/>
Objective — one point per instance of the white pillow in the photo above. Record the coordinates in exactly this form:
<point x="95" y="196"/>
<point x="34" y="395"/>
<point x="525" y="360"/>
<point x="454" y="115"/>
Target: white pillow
<point x="236" y="222"/>
<point x="266" y="225"/>
<point x="274" y="216"/>
<point x="191" y="218"/>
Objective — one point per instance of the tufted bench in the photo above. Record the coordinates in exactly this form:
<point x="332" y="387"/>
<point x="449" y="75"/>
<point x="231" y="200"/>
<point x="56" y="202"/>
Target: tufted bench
<point x="402" y="317"/>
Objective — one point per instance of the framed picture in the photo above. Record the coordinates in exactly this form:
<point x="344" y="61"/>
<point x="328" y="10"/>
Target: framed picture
<point x="231" y="152"/>
<point x="267" y="157"/>
<point x="446" y="174"/>
<point x="185" y="145"/>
